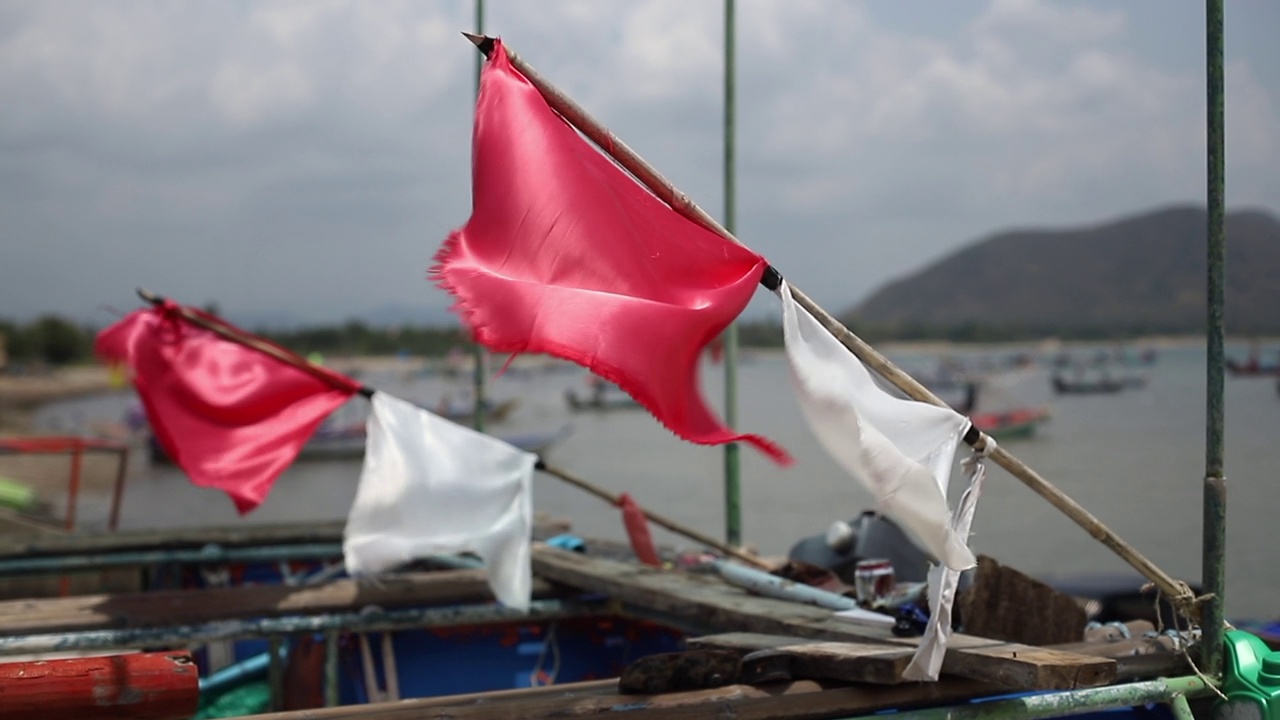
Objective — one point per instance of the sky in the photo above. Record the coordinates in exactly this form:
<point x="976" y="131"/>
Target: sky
<point x="302" y="161"/>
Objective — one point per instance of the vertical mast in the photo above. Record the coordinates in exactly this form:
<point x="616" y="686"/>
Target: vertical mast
<point x="477" y="350"/>
<point x="1213" y="560"/>
<point x="732" y="451"/>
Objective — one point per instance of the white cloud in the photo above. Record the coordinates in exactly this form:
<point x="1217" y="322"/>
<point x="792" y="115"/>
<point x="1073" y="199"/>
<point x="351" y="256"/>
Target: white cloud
<point x="336" y="133"/>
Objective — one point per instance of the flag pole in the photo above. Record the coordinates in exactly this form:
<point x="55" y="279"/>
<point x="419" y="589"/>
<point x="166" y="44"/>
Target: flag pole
<point x="1176" y="590"/>
<point x="340" y="381"/>
<point x="732" y="451"/>
<point x="655" y="518"/>
<point x="477" y="350"/>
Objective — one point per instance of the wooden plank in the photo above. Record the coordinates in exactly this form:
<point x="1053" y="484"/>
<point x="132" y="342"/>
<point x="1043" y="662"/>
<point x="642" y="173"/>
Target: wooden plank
<point x="877" y="663"/>
<point x="699" y="602"/>
<point x="1010" y="664"/>
<point x="797" y="700"/>
<point x="1004" y="604"/>
<point x="179" y="607"/>
<point x="716" y="606"/>
<point x="1136" y="658"/>
<point x="28" y="544"/>
<point x="236" y="535"/>
<point x="874" y="663"/>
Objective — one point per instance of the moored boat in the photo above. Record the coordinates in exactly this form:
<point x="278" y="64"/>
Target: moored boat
<point x="600" y="400"/>
<point x="1252" y="368"/>
<point x="1086" y="387"/>
<point x="349" y="442"/>
<point x="1015" y="423"/>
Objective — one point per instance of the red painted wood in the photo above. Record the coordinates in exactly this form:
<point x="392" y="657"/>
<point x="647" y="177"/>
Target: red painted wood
<point x="143" y="686"/>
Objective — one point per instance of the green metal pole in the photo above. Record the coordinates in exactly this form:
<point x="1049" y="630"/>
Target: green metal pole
<point x="732" y="451"/>
<point x="331" y="696"/>
<point x="477" y="350"/>
<point x="275" y="672"/>
<point x="1071" y="702"/>
<point x="1213" y="560"/>
<point x="1180" y="708"/>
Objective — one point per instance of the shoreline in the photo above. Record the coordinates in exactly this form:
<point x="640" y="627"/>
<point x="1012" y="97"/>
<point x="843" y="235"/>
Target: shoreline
<point x="22" y="395"/>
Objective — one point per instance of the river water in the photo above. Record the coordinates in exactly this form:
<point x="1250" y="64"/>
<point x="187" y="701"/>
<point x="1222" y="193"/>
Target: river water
<point x="1135" y="460"/>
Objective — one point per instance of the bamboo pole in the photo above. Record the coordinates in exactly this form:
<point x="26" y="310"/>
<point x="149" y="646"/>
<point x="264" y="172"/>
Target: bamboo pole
<point x="655" y="518"/>
<point x="1214" y="540"/>
<point x="301" y="363"/>
<point x="254" y="342"/>
<point x="1179" y="592"/>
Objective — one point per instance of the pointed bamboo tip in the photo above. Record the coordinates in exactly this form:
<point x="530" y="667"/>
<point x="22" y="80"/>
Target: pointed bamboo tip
<point x="147" y="295"/>
<point x="483" y="42"/>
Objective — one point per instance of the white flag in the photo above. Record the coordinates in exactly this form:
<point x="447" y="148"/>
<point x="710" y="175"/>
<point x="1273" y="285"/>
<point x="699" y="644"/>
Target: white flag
<point x="430" y="486"/>
<point x="926" y="663"/>
<point x="901" y="450"/>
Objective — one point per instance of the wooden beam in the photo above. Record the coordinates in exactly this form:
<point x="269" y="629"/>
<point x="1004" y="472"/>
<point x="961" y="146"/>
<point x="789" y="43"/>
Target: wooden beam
<point x="798" y="700"/>
<point x="715" y="606"/>
<point x="876" y="663"/>
<point x="1138" y="658"/>
<point x="30" y="544"/>
<point x="236" y="535"/>
<point x="1005" y="604"/>
<point x="181" y="607"/>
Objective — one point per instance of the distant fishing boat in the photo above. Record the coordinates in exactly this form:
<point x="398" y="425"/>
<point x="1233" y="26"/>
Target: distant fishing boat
<point x="1016" y="423"/>
<point x="1252" y="365"/>
<point x="603" y="396"/>
<point x="1100" y="386"/>
<point x="462" y="411"/>
<point x="1252" y="368"/>
<point x="348" y="443"/>
<point x="346" y="440"/>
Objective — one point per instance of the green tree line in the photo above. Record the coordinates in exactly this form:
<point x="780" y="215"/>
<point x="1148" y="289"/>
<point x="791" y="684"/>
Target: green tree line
<point x="52" y="340"/>
<point x="49" y="340"/>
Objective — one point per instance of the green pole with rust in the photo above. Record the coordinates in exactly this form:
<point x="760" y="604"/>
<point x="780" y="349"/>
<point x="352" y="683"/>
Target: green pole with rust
<point x="1172" y="691"/>
<point x="1213" y="560"/>
<point x="477" y="350"/>
<point x="732" y="451"/>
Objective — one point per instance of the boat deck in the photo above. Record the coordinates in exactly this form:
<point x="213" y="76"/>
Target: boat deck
<point x="829" y="667"/>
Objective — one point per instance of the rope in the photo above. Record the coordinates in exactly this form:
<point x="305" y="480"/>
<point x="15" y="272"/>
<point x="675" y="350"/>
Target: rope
<point x="1179" y="642"/>
<point x="538" y="677"/>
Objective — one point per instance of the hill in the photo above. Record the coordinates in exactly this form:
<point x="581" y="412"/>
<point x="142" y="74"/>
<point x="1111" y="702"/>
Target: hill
<point x="1142" y="274"/>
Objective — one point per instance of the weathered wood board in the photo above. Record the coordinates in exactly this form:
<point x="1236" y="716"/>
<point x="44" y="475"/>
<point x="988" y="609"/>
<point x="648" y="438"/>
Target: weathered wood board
<point x="1136" y="658"/>
<point x="1005" y="604"/>
<point x="796" y="700"/>
<point x="877" y="662"/>
<point x="31" y="543"/>
<point x="705" y="604"/>
<point x="179" y="607"/>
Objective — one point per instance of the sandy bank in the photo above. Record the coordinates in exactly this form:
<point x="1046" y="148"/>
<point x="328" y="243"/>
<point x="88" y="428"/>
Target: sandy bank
<point x="29" y="391"/>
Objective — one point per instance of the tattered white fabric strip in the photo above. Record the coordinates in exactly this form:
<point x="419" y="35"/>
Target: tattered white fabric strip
<point x="943" y="581"/>
<point x="430" y="486"/>
<point x="901" y="450"/>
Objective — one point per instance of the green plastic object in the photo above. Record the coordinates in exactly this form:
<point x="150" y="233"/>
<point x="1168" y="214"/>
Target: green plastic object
<point x="249" y="699"/>
<point x="15" y="495"/>
<point x="1250" y="678"/>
